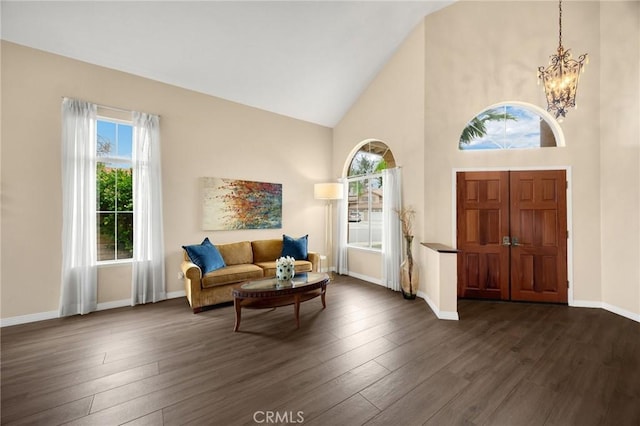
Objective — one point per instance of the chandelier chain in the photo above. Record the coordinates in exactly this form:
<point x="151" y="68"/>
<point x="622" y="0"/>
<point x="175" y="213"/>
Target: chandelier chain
<point x="560" y="24"/>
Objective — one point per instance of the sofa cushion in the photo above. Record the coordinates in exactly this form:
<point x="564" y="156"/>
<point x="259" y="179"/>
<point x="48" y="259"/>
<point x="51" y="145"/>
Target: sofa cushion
<point x="236" y="253"/>
<point x="205" y="255"/>
<point x="295" y="247"/>
<point x="231" y="274"/>
<point x="299" y="265"/>
<point x="266" y="250"/>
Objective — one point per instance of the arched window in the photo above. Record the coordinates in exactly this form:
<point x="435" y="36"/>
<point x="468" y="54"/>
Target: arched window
<point x="511" y="125"/>
<point x="364" y="177"/>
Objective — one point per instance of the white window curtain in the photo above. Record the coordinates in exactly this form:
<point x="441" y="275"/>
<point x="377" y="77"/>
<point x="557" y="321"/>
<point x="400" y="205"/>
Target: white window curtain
<point x="391" y="227"/>
<point x="148" y="237"/>
<point x="79" y="253"/>
<point x="343" y="230"/>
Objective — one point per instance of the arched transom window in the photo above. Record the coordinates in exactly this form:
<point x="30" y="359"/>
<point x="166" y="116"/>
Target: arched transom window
<point x="510" y="126"/>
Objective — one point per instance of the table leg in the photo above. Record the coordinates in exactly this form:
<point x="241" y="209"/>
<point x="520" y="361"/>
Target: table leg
<point x="296" y="299"/>
<point x="323" y="292"/>
<point x="237" y="305"/>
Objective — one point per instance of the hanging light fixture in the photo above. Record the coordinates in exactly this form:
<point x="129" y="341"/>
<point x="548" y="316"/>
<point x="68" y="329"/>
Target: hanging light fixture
<point x="561" y="77"/>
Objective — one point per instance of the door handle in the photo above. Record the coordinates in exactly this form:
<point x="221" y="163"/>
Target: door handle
<point x="515" y="241"/>
<point x="505" y="241"/>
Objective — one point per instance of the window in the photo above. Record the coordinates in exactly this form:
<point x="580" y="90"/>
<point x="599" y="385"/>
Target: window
<point x="114" y="184"/>
<point x="509" y="126"/>
<point x="365" y="194"/>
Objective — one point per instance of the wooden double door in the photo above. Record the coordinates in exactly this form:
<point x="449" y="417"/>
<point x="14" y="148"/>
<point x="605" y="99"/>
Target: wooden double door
<point x="512" y="235"/>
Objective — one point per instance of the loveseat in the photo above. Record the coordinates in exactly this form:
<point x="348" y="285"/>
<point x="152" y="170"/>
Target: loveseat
<point x="242" y="261"/>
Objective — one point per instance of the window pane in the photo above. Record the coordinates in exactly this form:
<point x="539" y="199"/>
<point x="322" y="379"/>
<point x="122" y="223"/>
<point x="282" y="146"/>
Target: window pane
<point x="106" y="138"/>
<point x="125" y="235"/>
<point x="106" y="236"/>
<point x="358" y="213"/>
<point x="106" y="175"/>
<point x="506" y="127"/>
<point x="375" y="217"/>
<point x="125" y="137"/>
<point x="124" y="189"/>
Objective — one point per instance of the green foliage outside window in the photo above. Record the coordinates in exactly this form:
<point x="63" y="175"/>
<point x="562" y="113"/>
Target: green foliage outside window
<point x="115" y="212"/>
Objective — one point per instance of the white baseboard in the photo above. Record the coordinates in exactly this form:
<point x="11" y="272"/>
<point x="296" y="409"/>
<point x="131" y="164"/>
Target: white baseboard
<point x="24" y="319"/>
<point x="607" y="307"/>
<point x="113" y="304"/>
<point x="365" y="278"/>
<point x="443" y="315"/>
<point x="586" y="304"/>
<point x="622" y="312"/>
<point x="42" y="316"/>
<point x="127" y="302"/>
<point x="176" y="294"/>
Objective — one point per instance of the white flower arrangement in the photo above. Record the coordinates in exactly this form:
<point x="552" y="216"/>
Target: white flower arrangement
<point x="285" y="268"/>
<point x="285" y="261"/>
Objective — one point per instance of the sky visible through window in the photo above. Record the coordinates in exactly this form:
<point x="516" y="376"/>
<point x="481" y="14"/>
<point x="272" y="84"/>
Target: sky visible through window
<point x="505" y="127"/>
<point x="119" y="137"/>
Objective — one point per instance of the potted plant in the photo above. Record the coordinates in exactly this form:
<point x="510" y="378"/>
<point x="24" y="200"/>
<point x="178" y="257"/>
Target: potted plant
<point x="408" y="269"/>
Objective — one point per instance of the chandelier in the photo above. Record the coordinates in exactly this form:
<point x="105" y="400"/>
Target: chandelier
<point x="561" y="77"/>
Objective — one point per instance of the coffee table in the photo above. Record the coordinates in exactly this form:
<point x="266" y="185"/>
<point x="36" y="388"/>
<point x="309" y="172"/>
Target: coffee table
<point x="271" y="293"/>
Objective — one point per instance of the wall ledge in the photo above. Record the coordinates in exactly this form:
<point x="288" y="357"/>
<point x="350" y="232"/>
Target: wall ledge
<point x="440" y="248"/>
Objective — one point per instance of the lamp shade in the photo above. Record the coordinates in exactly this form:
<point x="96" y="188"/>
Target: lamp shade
<point x="328" y="191"/>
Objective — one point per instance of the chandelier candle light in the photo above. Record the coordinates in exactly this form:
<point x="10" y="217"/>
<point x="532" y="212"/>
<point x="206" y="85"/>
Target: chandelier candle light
<point x="561" y="77"/>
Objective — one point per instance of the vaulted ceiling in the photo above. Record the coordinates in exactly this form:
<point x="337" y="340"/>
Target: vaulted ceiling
<point x="304" y="59"/>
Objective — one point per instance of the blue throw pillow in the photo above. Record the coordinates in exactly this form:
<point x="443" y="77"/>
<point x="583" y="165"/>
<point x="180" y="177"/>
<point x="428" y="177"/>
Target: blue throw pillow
<point x="295" y="247"/>
<point x="206" y="256"/>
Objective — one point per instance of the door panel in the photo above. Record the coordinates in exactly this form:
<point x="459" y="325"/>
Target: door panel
<point x="539" y="223"/>
<point x="529" y="208"/>
<point x="483" y="263"/>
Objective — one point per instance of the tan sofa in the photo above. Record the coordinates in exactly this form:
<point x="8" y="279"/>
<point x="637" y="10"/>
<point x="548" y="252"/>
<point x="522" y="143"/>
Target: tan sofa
<point x="244" y="261"/>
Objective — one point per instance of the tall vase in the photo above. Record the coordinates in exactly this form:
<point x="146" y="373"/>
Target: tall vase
<point x="409" y="272"/>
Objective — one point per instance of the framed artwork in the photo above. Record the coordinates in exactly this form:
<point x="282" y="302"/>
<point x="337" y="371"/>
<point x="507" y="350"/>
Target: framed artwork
<point x="231" y="204"/>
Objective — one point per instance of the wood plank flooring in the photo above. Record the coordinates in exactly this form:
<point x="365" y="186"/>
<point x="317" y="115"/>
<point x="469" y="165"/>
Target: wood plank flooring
<point x="369" y="358"/>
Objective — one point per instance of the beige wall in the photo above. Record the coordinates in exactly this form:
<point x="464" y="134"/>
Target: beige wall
<point x="201" y="136"/>
<point x="391" y="110"/>
<point x="476" y="54"/>
<point x="620" y="154"/>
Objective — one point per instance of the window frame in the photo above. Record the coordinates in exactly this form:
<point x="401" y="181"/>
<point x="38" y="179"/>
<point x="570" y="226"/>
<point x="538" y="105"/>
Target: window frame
<point x="106" y="159"/>
<point x="550" y="121"/>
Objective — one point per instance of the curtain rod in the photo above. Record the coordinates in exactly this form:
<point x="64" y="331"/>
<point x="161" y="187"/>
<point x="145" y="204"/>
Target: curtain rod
<point x="112" y="108"/>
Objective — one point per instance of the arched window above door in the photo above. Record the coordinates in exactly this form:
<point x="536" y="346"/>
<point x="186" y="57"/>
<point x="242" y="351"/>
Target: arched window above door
<point x="511" y="125"/>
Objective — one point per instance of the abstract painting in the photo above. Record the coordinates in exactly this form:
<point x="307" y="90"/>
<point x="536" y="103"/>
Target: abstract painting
<point x="231" y="204"/>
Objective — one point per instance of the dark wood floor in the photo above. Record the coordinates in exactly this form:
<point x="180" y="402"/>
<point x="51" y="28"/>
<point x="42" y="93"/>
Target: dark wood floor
<point x="369" y="358"/>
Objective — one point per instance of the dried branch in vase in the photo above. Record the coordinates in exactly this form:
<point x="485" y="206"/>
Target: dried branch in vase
<point x="406" y="216"/>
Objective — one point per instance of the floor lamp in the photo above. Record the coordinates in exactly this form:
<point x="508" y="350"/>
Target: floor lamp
<point x="329" y="192"/>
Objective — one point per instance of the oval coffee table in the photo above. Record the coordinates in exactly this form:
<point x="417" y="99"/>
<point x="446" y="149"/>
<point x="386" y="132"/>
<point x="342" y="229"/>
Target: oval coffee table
<point x="272" y="293"/>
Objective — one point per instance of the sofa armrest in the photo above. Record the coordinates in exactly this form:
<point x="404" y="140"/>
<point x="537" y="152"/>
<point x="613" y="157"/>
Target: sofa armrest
<point x="191" y="271"/>
<point x="192" y="284"/>
<point x="314" y="258"/>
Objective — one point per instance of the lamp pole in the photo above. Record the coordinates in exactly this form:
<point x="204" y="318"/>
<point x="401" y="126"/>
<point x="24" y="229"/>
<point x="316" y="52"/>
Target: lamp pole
<point x="329" y="192"/>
